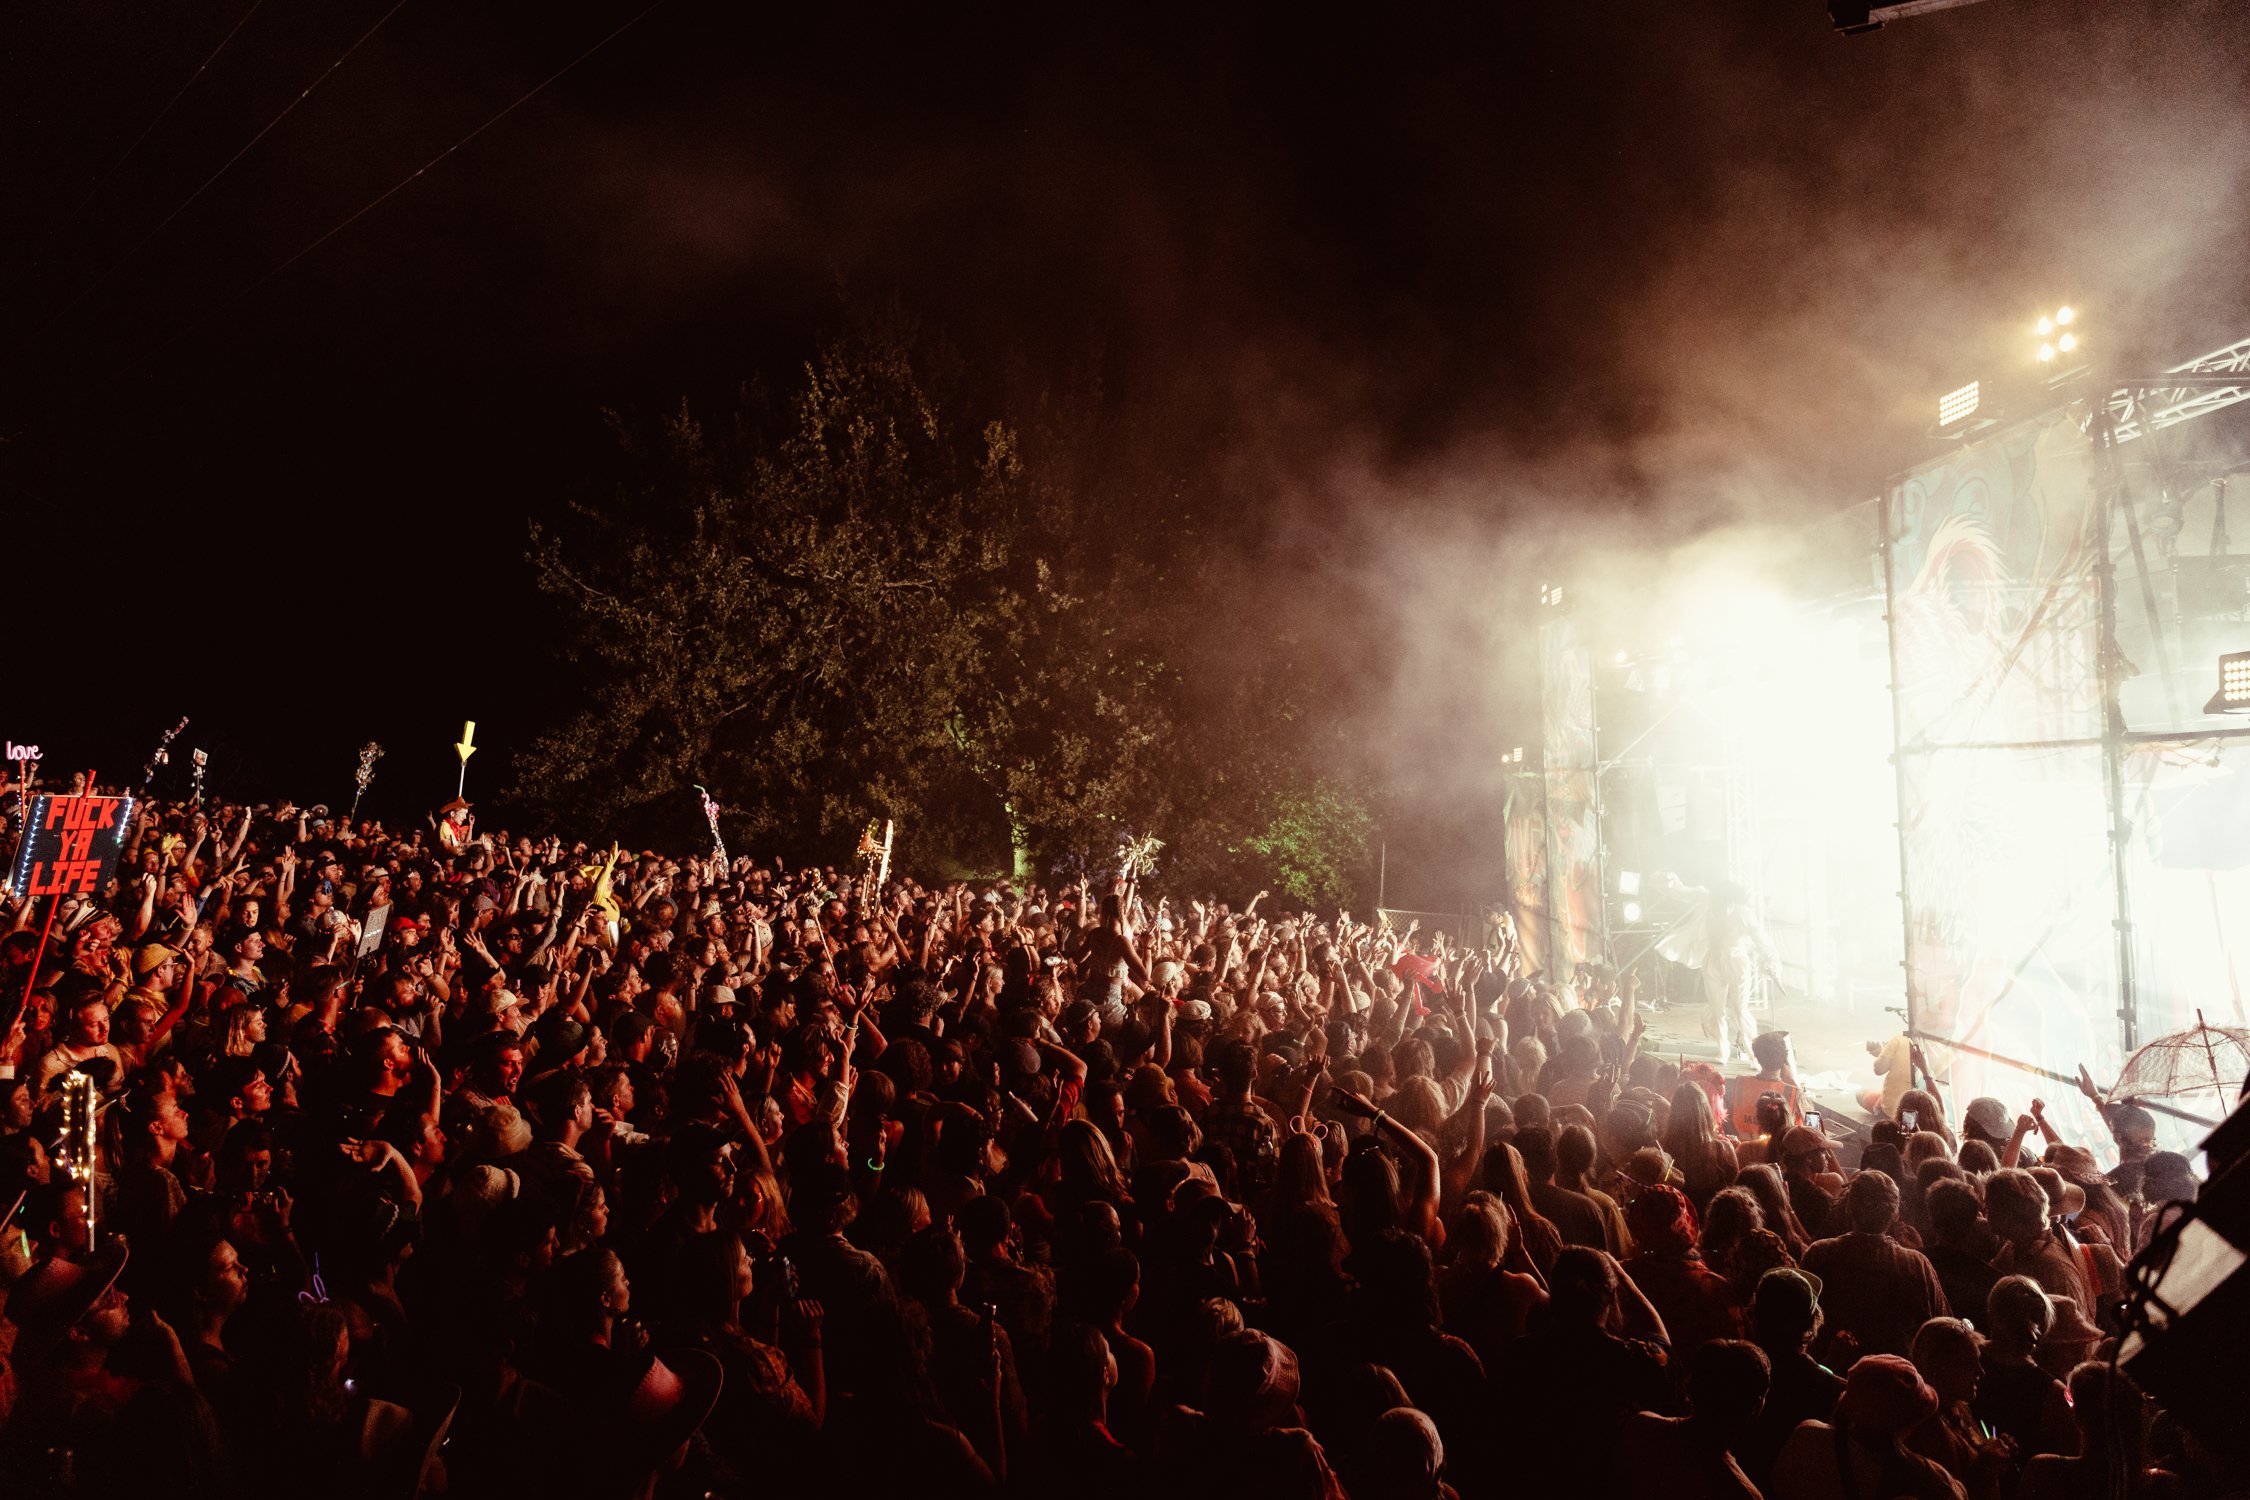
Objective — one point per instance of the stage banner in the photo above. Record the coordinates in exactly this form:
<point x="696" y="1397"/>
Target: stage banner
<point x="1574" y="903"/>
<point x="1994" y="612"/>
<point x="1994" y="622"/>
<point x="1528" y="889"/>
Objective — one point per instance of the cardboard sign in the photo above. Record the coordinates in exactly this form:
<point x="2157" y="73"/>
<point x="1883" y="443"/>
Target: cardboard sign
<point x="371" y="932"/>
<point x="71" y="844"/>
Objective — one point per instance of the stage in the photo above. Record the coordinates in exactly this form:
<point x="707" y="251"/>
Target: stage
<point x="1954" y="750"/>
<point x="1831" y="1037"/>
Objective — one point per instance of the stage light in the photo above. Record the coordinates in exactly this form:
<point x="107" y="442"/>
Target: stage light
<point x="2055" y="335"/>
<point x="1628" y="882"/>
<point x="2233" y="696"/>
<point x="1632" y="911"/>
<point x="1956" y="406"/>
<point x="2168" y="516"/>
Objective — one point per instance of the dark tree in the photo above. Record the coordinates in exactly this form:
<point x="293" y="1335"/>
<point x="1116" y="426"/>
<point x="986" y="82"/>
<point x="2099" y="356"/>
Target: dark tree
<point x="868" y="602"/>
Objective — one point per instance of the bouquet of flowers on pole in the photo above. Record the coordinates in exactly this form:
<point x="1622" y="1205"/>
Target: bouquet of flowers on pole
<point x="163" y="755"/>
<point x="875" y="855"/>
<point x="711" y="816"/>
<point x="1136" y="857"/>
<point x="369" y="753"/>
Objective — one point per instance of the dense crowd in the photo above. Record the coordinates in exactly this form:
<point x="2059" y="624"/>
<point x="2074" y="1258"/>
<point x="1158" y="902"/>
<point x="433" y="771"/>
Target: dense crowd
<point x="437" y="1162"/>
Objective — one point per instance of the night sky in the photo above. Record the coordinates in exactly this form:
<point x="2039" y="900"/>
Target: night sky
<point x="1423" y="296"/>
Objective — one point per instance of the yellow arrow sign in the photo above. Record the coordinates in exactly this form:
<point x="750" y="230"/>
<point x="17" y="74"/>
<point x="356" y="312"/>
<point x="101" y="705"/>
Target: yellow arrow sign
<point x="466" y="746"/>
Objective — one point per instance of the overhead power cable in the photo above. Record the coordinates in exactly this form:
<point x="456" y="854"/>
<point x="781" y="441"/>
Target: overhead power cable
<point x="410" y="178"/>
<point x="190" y="200"/>
<point x="150" y="129"/>
<point x="357" y="214"/>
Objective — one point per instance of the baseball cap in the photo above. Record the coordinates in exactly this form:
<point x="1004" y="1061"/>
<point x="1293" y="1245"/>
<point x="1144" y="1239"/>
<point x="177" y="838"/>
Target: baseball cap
<point x="1986" y="1117"/>
<point x="1799" y="1140"/>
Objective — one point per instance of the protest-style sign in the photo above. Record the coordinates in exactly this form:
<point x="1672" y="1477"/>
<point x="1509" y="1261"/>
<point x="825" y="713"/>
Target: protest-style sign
<point x="71" y="844"/>
<point x="371" y="934"/>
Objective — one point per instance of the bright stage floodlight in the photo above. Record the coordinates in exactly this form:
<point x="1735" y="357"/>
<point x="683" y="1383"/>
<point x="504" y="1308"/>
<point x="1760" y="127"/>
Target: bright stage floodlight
<point x="2054" y="339"/>
<point x="1632" y="912"/>
<point x="2233" y="696"/>
<point x="1956" y="406"/>
<point x="1628" y="882"/>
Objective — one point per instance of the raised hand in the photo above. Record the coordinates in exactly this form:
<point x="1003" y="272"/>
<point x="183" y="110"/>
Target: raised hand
<point x="1352" y="1103"/>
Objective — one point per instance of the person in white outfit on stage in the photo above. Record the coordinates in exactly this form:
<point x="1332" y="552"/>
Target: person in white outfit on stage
<point x="1722" y="940"/>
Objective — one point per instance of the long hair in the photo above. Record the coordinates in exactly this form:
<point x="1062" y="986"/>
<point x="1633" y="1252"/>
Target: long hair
<point x="1502" y="1174"/>
<point x="1691" y="1137"/>
<point x="1370" y="1196"/>
<point x="1301" y="1177"/>
<point x="1763" y="1181"/>
<point x="1730" y="1217"/>
<point x="310" y="1384"/>
<point x="239" y="1042"/>
<point x="1927" y="1115"/>
<point x="705" y="1284"/>
<point x="1089" y="1167"/>
<point x="1419" y="1107"/>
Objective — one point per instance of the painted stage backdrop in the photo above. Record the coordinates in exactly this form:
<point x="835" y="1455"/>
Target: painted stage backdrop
<point x="2004" y="808"/>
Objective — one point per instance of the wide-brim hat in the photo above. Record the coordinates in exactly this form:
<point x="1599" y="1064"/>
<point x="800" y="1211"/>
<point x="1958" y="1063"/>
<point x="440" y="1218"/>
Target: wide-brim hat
<point x="53" y="1295"/>
<point x="673" y="1397"/>
<point x="1885" y="1394"/>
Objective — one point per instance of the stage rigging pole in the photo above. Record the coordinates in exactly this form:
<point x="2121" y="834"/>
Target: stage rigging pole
<point x="2108" y="489"/>
<point x="1884" y="540"/>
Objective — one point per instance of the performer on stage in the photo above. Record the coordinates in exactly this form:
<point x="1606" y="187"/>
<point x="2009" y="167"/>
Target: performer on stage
<point x="1723" y="941"/>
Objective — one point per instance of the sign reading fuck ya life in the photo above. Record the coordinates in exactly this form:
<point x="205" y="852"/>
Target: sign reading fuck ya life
<point x="70" y="844"/>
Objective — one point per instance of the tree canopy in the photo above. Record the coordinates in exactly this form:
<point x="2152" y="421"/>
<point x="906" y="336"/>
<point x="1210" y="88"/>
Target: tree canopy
<point x="865" y="601"/>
